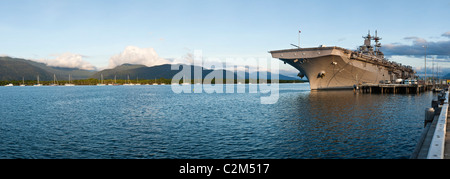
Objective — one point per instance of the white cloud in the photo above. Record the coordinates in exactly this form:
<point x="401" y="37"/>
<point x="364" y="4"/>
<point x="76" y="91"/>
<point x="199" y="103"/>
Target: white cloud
<point x="439" y="48"/>
<point x="446" y="34"/>
<point x="69" y="60"/>
<point x="136" y="55"/>
<point x="186" y="59"/>
<point x="416" y="40"/>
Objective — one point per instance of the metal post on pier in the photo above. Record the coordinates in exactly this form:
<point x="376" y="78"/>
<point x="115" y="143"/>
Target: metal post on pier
<point x="425" y="80"/>
<point x="299" y="32"/>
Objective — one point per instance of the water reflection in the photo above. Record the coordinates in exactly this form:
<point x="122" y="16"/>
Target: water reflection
<point x="342" y="124"/>
<point x="154" y="122"/>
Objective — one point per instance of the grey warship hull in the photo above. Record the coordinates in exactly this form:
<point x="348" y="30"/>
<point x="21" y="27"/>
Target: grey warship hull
<point x="339" y="68"/>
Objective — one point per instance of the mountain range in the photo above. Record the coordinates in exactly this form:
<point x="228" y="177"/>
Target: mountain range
<point x="17" y="68"/>
<point x="164" y="71"/>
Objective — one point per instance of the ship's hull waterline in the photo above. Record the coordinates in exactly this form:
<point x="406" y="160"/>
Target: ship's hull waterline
<point x="338" y="68"/>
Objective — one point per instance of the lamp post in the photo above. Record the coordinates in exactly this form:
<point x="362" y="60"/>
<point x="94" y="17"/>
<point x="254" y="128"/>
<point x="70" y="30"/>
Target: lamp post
<point x="425" y="46"/>
<point x="299" y="32"/>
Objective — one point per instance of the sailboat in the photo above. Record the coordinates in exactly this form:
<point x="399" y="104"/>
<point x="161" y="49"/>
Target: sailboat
<point x="70" y="82"/>
<point x="37" y="82"/>
<point x="154" y="83"/>
<point x="101" y="82"/>
<point x="55" y="82"/>
<point x="128" y="82"/>
<point x="137" y="81"/>
<point x="23" y="81"/>
<point x="115" y="81"/>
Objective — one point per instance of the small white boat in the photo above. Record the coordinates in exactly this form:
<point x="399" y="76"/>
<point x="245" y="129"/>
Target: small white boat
<point x="55" y="81"/>
<point x="9" y="84"/>
<point x="128" y="82"/>
<point x="137" y="81"/>
<point x="115" y="82"/>
<point x="37" y="82"/>
<point x="70" y="82"/>
<point x="23" y="81"/>
<point x="101" y="81"/>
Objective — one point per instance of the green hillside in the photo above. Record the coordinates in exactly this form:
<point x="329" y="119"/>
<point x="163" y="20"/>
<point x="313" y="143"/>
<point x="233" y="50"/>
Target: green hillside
<point x="16" y="68"/>
<point x="165" y="71"/>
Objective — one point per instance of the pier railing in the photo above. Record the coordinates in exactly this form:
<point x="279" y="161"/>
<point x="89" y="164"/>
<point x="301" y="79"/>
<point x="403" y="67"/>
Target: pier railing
<point x="436" y="150"/>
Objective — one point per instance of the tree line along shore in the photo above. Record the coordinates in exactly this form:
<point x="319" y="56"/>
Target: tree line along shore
<point x="92" y="81"/>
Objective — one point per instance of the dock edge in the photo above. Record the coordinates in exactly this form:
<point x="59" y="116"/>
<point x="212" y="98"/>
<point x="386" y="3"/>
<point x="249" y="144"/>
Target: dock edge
<point x="436" y="150"/>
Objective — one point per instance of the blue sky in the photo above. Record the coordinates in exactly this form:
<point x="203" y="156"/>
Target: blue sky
<point x="97" y="30"/>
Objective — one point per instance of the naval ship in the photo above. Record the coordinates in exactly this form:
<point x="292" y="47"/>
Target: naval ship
<point x="340" y="68"/>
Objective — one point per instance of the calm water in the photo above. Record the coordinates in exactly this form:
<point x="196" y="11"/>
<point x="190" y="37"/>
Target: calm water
<point x="154" y="122"/>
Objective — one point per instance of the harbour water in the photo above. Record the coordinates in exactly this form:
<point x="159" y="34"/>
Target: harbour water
<point x="153" y="122"/>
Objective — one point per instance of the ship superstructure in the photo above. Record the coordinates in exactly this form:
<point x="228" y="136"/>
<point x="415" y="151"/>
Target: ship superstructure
<point x="340" y="68"/>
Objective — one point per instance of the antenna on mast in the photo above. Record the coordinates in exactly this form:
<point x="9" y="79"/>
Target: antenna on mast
<point x="377" y="44"/>
<point x="367" y="47"/>
<point x="368" y="37"/>
<point x="377" y="39"/>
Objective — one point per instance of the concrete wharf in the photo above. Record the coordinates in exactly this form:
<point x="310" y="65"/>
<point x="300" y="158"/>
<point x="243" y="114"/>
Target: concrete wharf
<point x="434" y="142"/>
<point x="392" y="88"/>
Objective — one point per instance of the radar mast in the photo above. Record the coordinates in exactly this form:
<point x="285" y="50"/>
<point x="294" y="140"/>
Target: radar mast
<point x="368" y="49"/>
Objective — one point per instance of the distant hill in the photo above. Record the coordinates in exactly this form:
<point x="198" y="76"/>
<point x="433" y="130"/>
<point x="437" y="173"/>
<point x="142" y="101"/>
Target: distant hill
<point x="144" y="72"/>
<point x="16" y="68"/>
<point x="164" y="71"/>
